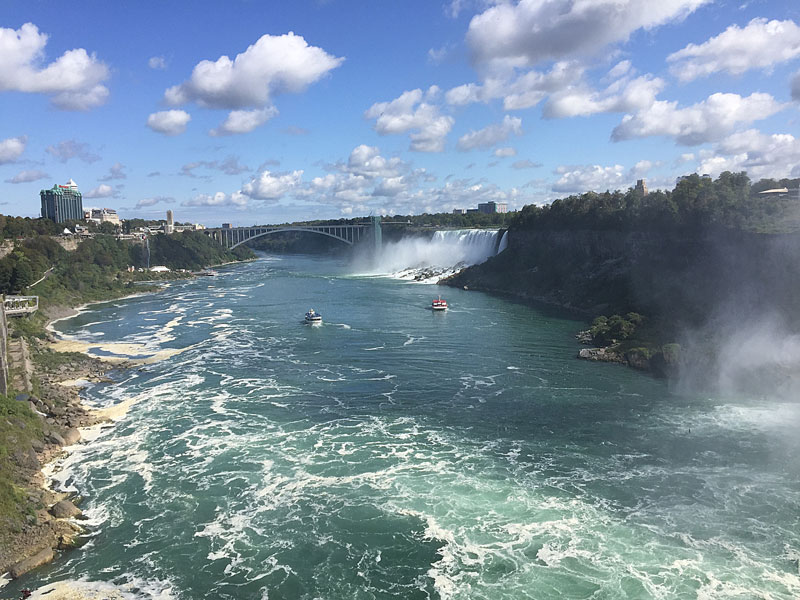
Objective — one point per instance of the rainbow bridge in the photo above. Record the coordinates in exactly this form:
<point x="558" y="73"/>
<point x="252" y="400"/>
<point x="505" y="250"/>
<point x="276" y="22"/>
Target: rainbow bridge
<point x="356" y="233"/>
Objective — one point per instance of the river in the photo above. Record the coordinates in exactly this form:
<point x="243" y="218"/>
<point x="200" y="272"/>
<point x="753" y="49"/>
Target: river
<point x="394" y="452"/>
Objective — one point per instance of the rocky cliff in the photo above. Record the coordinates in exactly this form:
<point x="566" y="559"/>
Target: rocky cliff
<point x="687" y="276"/>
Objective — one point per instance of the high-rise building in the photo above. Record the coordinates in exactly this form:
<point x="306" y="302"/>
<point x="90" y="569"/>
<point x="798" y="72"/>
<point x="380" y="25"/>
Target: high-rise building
<point x="641" y="186"/>
<point x="170" y="226"/>
<point x="492" y="207"/>
<point x="62" y="203"/>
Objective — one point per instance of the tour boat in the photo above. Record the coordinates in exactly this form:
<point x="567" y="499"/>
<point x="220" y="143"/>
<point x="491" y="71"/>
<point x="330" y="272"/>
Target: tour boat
<point x="439" y="304"/>
<point x="313" y="317"/>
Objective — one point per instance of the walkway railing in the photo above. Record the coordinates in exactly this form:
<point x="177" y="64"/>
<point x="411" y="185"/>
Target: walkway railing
<point x="16" y="306"/>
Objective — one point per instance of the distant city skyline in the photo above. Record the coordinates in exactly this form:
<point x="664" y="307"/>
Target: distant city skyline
<point x="248" y="112"/>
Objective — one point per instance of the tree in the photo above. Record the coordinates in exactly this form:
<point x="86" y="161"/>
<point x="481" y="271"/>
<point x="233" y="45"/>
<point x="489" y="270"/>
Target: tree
<point x="22" y="275"/>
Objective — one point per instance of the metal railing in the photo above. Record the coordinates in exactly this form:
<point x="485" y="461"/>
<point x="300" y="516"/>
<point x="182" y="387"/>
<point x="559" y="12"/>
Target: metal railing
<point x="20" y="305"/>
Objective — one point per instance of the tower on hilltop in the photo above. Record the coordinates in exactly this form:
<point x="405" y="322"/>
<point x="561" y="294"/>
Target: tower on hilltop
<point x="170" y="226"/>
<point x="62" y="203"/>
<point x="641" y="186"/>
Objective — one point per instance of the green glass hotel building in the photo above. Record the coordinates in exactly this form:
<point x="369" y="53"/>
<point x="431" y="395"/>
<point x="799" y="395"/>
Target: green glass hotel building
<point x="62" y="203"/>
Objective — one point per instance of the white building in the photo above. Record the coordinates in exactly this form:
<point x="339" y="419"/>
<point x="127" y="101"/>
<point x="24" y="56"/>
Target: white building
<point x="101" y="215"/>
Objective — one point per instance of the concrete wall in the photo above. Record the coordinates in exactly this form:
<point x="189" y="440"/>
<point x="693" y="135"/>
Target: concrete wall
<point x="3" y="348"/>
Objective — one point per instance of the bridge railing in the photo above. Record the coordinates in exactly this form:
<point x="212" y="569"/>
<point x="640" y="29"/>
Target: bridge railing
<point x="20" y="305"/>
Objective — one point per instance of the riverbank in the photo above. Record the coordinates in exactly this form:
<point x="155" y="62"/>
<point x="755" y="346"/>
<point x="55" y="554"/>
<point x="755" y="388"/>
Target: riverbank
<point x="61" y="367"/>
<point x="51" y="521"/>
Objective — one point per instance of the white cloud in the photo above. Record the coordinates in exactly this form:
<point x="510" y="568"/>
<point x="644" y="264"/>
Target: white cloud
<point x="641" y="168"/>
<point x="583" y="178"/>
<point x="271" y="66"/>
<point x="491" y="135"/>
<point x="169" y="122"/>
<point x="759" y="45"/>
<point x="235" y="200"/>
<point x="28" y="176"/>
<point x="526" y="164"/>
<point x="74" y="80"/>
<point x="12" y="148"/>
<point x="706" y="121"/>
<point x="761" y="155"/>
<point x="116" y="171"/>
<point x="505" y="152"/>
<point x="69" y="149"/>
<point x="268" y="186"/>
<point x="390" y="187"/>
<point x="623" y="95"/>
<point x="102" y="191"/>
<point x="412" y="112"/>
<point x="527" y="32"/>
<point x="517" y="91"/>
<point x="366" y="161"/>
<point x="795" y="85"/>
<point x="146" y="202"/>
<point x="157" y="62"/>
<point x="244" y="121"/>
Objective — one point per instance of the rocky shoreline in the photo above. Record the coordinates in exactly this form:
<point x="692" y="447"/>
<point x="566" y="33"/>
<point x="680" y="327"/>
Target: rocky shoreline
<point x="51" y="524"/>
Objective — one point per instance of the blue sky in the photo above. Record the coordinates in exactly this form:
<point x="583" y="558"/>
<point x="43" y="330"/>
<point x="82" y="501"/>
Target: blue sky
<point x="264" y="112"/>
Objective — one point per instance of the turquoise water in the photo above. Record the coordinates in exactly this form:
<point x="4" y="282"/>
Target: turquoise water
<point x="394" y="452"/>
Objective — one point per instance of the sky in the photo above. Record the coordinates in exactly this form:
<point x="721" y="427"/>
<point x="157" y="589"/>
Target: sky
<point x="261" y="112"/>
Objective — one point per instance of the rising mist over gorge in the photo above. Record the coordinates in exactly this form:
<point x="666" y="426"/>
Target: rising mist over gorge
<point x="712" y="265"/>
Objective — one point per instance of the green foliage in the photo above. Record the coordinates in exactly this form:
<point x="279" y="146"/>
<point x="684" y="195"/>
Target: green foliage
<point x="608" y="330"/>
<point x="189" y="250"/>
<point x="696" y="202"/>
<point x="18" y="427"/>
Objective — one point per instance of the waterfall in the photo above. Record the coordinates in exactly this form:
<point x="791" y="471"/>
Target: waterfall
<point x="503" y="242"/>
<point x="428" y="260"/>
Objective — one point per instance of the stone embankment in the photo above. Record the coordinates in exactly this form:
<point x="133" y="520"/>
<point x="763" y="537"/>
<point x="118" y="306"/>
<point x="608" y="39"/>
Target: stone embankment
<point x="50" y="524"/>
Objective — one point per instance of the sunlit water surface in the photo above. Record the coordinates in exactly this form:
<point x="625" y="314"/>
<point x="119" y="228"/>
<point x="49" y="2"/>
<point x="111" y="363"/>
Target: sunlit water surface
<point x="394" y="452"/>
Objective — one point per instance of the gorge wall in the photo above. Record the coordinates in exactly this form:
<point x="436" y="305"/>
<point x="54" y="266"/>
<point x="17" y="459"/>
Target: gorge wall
<point x="687" y="276"/>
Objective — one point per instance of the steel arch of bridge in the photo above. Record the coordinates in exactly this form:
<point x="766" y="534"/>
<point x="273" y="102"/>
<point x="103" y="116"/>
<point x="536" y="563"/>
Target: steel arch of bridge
<point x="231" y="237"/>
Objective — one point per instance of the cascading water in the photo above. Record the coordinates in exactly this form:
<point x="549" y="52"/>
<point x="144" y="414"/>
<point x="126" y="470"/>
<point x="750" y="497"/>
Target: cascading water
<point x="430" y="259"/>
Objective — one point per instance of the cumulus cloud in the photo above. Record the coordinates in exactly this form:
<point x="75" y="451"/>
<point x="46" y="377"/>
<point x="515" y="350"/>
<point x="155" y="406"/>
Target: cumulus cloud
<point x="157" y="62"/>
<point x="759" y="45"/>
<point x="412" y="112"/>
<point x="582" y="178"/>
<point x="169" y="122"/>
<point x="366" y="161"/>
<point x="390" y="187"/>
<point x="12" y="148"/>
<point x="116" y="171"/>
<point x="706" y="121"/>
<point x="69" y="149"/>
<point x="244" y="121"/>
<point x="73" y="81"/>
<point x="269" y="186"/>
<point x="235" y="200"/>
<point x="271" y="66"/>
<point x="491" y="135"/>
<point x="527" y="32"/>
<point x="28" y="176"/>
<point x="147" y="202"/>
<point x="623" y="95"/>
<point x="102" y="191"/>
<point x="518" y="91"/>
<point x="760" y="154"/>
<point x="505" y="152"/>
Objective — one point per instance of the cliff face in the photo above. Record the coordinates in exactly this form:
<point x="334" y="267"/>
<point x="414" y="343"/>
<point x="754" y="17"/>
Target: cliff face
<point x="686" y="277"/>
